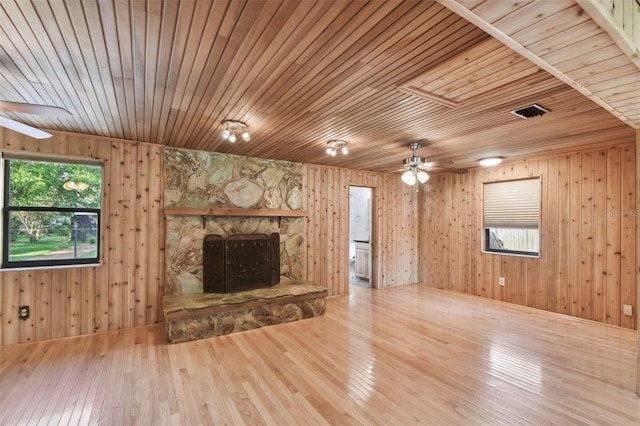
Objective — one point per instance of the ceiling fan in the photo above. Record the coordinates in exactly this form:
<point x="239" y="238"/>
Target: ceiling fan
<point x="416" y="168"/>
<point x="24" y="108"/>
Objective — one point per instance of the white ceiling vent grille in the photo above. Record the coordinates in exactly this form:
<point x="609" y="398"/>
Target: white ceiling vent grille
<point x="534" y="110"/>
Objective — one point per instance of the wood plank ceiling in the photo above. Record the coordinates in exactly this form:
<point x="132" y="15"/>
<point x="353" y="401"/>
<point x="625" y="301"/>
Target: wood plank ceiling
<point x="303" y="73"/>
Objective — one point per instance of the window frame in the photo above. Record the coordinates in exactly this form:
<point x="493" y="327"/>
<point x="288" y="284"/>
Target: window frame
<point x="7" y="209"/>
<point x="486" y="230"/>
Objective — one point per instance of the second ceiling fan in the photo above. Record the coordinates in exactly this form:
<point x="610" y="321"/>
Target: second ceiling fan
<point x="25" y="108"/>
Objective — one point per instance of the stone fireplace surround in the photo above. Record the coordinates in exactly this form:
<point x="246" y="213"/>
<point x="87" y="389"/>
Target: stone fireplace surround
<point x="211" y="193"/>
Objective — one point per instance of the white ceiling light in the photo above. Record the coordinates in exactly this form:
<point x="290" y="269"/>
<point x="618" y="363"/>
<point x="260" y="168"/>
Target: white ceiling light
<point x="422" y="176"/>
<point x="490" y="161"/>
<point x="333" y="146"/>
<point x="233" y="128"/>
<point x="409" y="177"/>
<point x="413" y="175"/>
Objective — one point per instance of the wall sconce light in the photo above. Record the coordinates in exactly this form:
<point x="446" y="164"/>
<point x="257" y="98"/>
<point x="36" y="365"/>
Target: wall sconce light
<point x="333" y="146"/>
<point x="232" y="128"/>
<point x="490" y="161"/>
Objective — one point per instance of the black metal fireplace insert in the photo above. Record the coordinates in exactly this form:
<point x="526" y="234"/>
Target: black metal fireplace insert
<point x="240" y="262"/>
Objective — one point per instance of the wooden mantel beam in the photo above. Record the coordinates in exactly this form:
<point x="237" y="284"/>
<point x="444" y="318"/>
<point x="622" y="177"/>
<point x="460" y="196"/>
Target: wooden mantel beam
<point x="188" y="211"/>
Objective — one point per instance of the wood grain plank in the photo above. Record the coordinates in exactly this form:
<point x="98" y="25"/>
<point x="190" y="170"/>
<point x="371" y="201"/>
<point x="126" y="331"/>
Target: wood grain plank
<point x="628" y="224"/>
<point x="587" y="233"/>
<point x="102" y="283"/>
<point x="549" y="232"/>
<point x="142" y="194"/>
<point x="614" y="235"/>
<point x="600" y="236"/>
<point x="566" y="239"/>
<point x="44" y="309"/>
<point x="541" y="298"/>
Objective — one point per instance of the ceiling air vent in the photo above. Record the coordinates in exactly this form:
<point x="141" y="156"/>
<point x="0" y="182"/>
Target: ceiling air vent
<point x="530" y="111"/>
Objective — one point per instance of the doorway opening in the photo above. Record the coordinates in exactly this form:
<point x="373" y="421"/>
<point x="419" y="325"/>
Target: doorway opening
<point x="360" y="238"/>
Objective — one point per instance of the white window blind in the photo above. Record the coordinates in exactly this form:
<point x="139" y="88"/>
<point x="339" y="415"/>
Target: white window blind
<point x="512" y="204"/>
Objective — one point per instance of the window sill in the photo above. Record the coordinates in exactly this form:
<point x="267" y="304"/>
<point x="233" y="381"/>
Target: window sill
<point x="37" y="268"/>
<point x="500" y="253"/>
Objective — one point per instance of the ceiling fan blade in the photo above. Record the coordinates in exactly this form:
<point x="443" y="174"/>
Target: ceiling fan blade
<point x="24" y="108"/>
<point x="439" y="163"/>
<point x="23" y="128"/>
<point x="452" y="170"/>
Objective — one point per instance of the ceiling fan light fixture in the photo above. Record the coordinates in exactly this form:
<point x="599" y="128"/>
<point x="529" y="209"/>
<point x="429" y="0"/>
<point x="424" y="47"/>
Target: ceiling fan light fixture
<point x="490" y="161"/>
<point x="409" y="177"/>
<point x="231" y="127"/>
<point x="416" y="167"/>
<point x="423" y="177"/>
<point x="333" y="146"/>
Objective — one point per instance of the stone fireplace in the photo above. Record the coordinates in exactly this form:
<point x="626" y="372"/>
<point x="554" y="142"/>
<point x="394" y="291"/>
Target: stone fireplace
<point x="236" y="207"/>
<point x="240" y="262"/>
<point x="210" y="193"/>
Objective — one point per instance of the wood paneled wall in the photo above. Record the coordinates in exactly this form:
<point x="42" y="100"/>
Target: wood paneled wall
<point x="125" y="290"/>
<point x="587" y="257"/>
<point x="394" y="222"/>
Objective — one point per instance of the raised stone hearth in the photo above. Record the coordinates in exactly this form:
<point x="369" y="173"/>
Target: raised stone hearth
<point x="202" y="315"/>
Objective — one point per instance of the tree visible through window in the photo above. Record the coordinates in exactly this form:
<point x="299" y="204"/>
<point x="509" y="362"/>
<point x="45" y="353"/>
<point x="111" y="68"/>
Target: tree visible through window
<point x="51" y="213"/>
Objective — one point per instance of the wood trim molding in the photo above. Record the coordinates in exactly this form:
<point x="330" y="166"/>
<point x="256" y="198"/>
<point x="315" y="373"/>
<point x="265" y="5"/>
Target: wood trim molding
<point x="638" y="260"/>
<point x="416" y="91"/>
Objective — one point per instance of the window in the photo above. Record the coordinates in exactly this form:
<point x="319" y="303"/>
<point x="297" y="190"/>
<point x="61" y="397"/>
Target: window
<point x="512" y="217"/>
<point x="50" y="212"/>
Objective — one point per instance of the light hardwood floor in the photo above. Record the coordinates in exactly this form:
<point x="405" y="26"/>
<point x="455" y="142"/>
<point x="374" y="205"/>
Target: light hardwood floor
<point x="403" y="355"/>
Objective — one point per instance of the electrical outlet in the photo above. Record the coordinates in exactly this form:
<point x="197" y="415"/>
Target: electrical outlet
<point x="23" y="312"/>
<point x="627" y="310"/>
<point x="501" y="281"/>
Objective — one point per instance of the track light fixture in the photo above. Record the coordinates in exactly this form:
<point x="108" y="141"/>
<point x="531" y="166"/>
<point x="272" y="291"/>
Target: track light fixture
<point x="232" y="128"/>
<point x="333" y="146"/>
